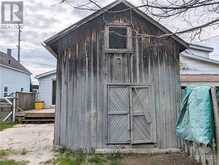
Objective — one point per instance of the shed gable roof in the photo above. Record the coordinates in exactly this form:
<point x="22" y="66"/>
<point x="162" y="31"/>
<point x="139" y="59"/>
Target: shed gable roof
<point x="105" y="9"/>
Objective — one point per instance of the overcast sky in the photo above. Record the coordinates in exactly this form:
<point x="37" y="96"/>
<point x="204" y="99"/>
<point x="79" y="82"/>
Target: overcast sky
<point x="43" y="18"/>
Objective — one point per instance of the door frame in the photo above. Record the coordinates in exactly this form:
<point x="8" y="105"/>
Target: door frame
<point x="53" y="80"/>
<point x="130" y="86"/>
<point x="107" y="118"/>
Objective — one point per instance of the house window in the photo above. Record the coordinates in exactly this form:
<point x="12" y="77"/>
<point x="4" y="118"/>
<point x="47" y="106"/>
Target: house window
<point x="5" y="91"/>
<point x="22" y="89"/>
<point x="118" y="37"/>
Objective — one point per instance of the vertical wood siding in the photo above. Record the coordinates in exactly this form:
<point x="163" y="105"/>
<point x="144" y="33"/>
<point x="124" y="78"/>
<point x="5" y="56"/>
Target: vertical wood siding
<point x="84" y="69"/>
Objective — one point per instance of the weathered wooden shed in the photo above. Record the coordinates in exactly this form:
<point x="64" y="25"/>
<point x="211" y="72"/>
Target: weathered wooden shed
<point x="117" y="81"/>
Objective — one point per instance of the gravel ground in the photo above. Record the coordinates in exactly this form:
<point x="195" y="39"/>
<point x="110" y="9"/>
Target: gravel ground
<point x="34" y="144"/>
<point x="33" y="141"/>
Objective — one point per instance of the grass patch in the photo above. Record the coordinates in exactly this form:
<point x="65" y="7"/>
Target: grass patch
<point x="6" y="152"/>
<point x="114" y="158"/>
<point x="66" y="157"/>
<point x="12" y="162"/>
<point x="6" y="125"/>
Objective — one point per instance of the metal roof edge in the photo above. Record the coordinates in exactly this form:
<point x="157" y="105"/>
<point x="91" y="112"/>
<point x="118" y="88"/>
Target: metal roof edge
<point x="45" y="74"/>
<point x="201" y="47"/>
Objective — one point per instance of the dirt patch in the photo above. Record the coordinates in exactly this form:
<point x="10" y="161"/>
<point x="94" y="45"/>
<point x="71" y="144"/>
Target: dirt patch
<point x="33" y="143"/>
<point x="161" y="159"/>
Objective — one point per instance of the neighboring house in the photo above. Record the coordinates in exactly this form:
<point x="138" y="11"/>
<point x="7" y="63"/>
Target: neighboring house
<point x="13" y="75"/>
<point x="47" y="88"/>
<point x="117" y="87"/>
<point x="197" y="68"/>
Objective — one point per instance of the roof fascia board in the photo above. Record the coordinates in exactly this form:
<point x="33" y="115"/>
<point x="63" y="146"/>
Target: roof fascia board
<point x="49" y="49"/>
<point x="45" y="74"/>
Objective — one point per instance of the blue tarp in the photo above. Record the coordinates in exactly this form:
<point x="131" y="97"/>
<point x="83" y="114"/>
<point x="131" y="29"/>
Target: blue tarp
<point x="195" y="122"/>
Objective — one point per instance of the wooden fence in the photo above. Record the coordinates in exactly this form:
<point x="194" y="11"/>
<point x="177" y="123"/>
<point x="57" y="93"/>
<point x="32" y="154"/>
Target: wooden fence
<point x="25" y="100"/>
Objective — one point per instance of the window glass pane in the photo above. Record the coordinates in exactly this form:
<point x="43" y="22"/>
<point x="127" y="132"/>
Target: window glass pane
<point x="5" y="91"/>
<point x="117" y="37"/>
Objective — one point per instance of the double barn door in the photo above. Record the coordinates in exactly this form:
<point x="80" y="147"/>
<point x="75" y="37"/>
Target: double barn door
<point x="131" y="115"/>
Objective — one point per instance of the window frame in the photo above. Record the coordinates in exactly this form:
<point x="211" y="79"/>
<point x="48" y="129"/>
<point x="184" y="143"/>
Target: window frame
<point x="129" y="47"/>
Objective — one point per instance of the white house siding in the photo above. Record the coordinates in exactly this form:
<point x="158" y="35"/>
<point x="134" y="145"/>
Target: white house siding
<point x="45" y="89"/>
<point x="194" y="66"/>
<point x="14" y="80"/>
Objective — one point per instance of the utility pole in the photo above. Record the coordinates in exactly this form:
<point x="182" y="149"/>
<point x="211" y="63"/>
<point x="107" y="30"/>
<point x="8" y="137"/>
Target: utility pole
<point x="19" y="43"/>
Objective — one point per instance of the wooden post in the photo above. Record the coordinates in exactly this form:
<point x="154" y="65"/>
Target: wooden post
<point x="216" y="120"/>
<point x="14" y="109"/>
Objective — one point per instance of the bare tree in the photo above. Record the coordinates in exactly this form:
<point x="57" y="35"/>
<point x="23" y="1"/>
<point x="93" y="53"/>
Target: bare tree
<point x="207" y="12"/>
<point x="166" y="9"/>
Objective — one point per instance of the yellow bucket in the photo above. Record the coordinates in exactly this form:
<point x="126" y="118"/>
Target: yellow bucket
<point x="39" y="105"/>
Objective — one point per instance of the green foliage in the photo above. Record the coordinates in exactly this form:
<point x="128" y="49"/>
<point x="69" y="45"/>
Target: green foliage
<point x="115" y="158"/>
<point x="6" y="152"/>
<point x="97" y="159"/>
<point x="13" y="162"/>
<point x="5" y="125"/>
<point x="66" y="157"/>
<point x="69" y="158"/>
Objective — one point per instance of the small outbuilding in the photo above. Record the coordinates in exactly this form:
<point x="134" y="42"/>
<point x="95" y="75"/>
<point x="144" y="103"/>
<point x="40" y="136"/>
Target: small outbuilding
<point x="117" y="81"/>
<point x="47" y="88"/>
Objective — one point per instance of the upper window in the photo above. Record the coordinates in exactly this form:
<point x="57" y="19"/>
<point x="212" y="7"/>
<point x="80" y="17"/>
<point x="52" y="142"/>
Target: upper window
<point x="118" y="37"/>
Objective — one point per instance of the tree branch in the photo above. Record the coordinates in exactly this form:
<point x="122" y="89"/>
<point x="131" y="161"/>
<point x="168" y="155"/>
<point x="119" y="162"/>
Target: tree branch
<point x="95" y="4"/>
